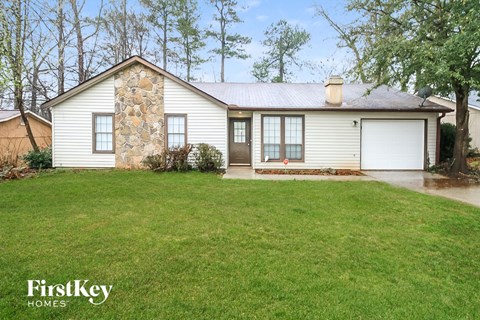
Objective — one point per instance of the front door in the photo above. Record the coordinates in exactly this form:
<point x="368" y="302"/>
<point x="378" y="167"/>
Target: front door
<point x="239" y="141"/>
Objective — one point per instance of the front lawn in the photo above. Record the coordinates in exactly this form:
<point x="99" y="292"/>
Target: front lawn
<point x="194" y="246"/>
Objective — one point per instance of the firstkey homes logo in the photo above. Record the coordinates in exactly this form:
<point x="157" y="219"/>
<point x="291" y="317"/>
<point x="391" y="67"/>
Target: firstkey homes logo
<point x="42" y="294"/>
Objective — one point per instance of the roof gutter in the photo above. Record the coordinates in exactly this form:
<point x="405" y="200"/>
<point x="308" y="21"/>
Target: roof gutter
<point x="436" y="110"/>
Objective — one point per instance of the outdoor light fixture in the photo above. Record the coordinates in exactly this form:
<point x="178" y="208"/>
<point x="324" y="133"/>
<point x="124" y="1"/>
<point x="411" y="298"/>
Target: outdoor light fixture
<point x="240" y="112"/>
<point x="355" y="123"/>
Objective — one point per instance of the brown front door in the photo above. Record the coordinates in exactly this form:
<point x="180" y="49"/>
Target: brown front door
<point x="239" y="141"/>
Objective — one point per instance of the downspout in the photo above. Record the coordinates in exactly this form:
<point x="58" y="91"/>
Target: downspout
<point x="437" y="154"/>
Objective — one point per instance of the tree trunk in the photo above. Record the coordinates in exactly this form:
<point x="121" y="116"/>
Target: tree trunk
<point x="223" y="36"/>
<point x="80" y="50"/>
<point x="281" y="71"/>
<point x="124" y="30"/>
<point x="188" y="58"/>
<point x="165" y="39"/>
<point x="17" y="66"/>
<point x="19" y="105"/>
<point x="188" y="68"/>
<point x="60" y="49"/>
<point x="222" y="67"/>
<point x="461" y="138"/>
<point x="34" y="84"/>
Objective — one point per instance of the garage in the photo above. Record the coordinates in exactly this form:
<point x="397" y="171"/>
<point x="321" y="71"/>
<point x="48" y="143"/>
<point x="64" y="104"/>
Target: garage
<point x="393" y="144"/>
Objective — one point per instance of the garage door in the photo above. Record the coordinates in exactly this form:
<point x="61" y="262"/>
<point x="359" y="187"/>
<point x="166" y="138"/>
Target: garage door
<point x="393" y="144"/>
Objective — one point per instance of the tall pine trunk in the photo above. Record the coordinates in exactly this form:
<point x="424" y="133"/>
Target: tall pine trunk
<point x="222" y="67"/>
<point x="223" y="35"/>
<point x="165" y="39"/>
<point x="80" y="49"/>
<point x="60" y="49"/>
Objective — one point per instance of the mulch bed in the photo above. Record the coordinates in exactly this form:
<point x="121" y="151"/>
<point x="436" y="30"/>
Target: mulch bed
<point x="315" y="172"/>
<point x="13" y="173"/>
<point x="472" y="177"/>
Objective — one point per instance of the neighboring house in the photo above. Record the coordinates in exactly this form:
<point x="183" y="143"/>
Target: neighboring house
<point x="474" y="115"/>
<point x="135" y="109"/>
<point x="14" y="140"/>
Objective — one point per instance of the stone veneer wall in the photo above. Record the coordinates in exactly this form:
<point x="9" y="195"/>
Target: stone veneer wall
<point x="139" y="115"/>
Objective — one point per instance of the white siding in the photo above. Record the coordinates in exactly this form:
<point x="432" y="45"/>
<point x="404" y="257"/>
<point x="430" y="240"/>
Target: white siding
<point x="473" y="125"/>
<point x="72" y="127"/>
<point x="473" y="119"/>
<point x="331" y="140"/>
<point x="206" y="121"/>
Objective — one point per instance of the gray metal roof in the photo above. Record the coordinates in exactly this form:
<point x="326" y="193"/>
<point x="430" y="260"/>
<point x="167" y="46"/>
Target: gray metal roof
<point x="474" y="99"/>
<point x="7" y="114"/>
<point x="308" y="96"/>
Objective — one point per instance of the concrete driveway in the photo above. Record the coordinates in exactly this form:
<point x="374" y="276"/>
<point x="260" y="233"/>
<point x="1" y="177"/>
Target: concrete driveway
<point x="429" y="183"/>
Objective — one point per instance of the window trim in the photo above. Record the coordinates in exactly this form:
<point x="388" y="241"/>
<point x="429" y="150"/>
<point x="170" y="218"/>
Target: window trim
<point x="282" y="137"/>
<point x="167" y="115"/>
<point x="94" y="140"/>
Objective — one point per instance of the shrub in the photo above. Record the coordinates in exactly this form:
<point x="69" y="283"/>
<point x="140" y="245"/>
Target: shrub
<point x="179" y="158"/>
<point x="9" y="154"/>
<point x="208" y="158"/>
<point x="156" y="162"/>
<point x="473" y="153"/>
<point x="447" y="142"/>
<point x="39" y="160"/>
<point x="173" y="159"/>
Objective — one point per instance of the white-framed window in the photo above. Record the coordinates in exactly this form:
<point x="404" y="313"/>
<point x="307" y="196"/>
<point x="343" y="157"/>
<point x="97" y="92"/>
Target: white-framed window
<point x="239" y="131"/>
<point x="282" y="137"/>
<point x="176" y="130"/>
<point x="103" y="127"/>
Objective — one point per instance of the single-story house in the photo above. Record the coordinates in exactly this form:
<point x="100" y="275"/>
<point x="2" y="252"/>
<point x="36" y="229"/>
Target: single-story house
<point x="474" y="115"/>
<point x="14" y="140"/>
<point x="135" y="109"/>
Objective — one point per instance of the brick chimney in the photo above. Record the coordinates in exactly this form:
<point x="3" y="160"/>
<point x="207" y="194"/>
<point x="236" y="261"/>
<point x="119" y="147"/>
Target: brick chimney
<point x="333" y="90"/>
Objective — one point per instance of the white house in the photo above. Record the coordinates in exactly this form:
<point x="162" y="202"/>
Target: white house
<point x="135" y="109"/>
<point x="473" y="119"/>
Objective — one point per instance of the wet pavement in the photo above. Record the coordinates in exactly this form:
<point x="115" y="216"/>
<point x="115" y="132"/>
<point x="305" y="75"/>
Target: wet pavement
<point x="429" y="183"/>
<point x="419" y="181"/>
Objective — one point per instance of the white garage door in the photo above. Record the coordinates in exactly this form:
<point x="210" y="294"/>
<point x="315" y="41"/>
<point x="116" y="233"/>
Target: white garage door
<point x="393" y="144"/>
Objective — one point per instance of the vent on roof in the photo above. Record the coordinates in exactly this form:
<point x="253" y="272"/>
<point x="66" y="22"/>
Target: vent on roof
<point x="333" y="90"/>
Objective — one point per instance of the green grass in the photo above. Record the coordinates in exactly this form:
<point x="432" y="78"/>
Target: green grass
<point x="194" y="246"/>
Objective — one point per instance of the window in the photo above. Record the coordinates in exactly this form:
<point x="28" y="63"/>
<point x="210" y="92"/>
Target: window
<point x="103" y="133"/>
<point x="271" y="137"/>
<point x="293" y="138"/>
<point x="239" y="131"/>
<point x="176" y="130"/>
<point x="283" y="137"/>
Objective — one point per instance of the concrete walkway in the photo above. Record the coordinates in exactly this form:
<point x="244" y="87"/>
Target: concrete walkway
<point x="429" y="183"/>
<point x="419" y="181"/>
